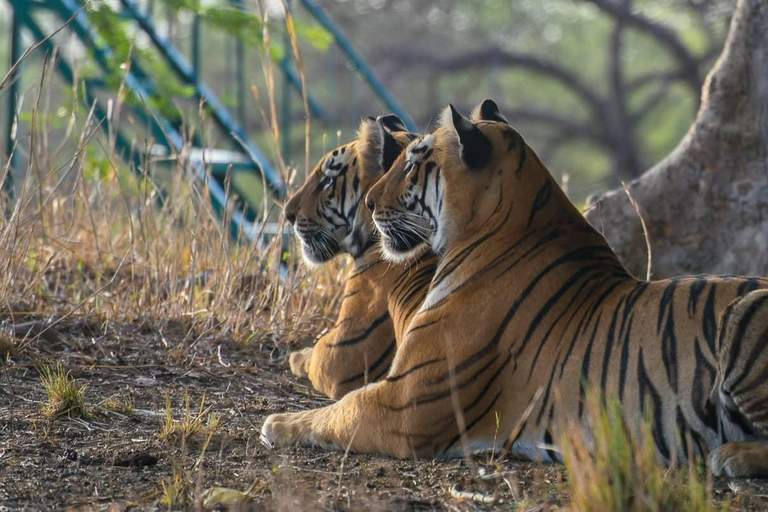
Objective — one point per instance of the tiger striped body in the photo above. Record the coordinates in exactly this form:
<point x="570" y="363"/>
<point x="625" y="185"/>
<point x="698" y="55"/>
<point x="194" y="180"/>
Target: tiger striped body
<point x="575" y="320"/>
<point x="379" y="297"/>
<point x="378" y="303"/>
<point x="529" y="308"/>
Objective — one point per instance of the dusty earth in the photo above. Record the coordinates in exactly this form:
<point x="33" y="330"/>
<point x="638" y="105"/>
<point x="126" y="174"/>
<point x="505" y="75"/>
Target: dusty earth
<point x="116" y="460"/>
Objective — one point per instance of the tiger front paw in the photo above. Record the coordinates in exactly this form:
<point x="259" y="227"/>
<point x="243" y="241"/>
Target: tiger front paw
<point x="740" y="460"/>
<point x="287" y="430"/>
<point x="299" y="361"/>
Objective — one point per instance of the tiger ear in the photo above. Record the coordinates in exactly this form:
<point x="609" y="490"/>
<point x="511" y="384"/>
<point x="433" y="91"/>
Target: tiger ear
<point x="390" y="149"/>
<point x="392" y="123"/>
<point x="488" y="110"/>
<point x="475" y="147"/>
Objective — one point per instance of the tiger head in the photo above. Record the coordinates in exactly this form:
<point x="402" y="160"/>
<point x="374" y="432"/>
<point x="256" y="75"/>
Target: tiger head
<point x="448" y="182"/>
<point x="326" y="211"/>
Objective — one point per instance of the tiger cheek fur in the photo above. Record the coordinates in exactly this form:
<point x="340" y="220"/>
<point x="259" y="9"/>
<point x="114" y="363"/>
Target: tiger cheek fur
<point x="529" y="308"/>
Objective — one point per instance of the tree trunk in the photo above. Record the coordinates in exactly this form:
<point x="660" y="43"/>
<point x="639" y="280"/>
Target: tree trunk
<point x="706" y="204"/>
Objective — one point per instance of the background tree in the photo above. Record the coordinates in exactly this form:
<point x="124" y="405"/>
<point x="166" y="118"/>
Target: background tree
<point x="706" y="205"/>
<point x="601" y="88"/>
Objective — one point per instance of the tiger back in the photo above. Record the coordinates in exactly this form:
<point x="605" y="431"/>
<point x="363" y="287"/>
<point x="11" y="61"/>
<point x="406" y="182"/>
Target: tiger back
<point x="528" y="310"/>
<point x="379" y="298"/>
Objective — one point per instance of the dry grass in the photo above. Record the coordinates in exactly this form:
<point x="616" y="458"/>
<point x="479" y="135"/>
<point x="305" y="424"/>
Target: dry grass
<point x="65" y="396"/>
<point x="194" y="423"/>
<point x="86" y="241"/>
<point x="174" y="494"/>
<point x="619" y="470"/>
<point x="119" y="404"/>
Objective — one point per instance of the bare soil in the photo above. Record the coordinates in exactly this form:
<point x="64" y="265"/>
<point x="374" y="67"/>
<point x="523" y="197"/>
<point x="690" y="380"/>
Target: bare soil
<point x="115" y="460"/>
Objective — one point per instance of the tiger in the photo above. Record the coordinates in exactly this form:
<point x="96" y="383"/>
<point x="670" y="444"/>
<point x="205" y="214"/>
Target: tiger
<point x="529" y="309"/>
<point x="379" y="298"/>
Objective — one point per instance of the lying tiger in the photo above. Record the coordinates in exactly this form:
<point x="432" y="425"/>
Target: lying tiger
<point x="379" y="297"/>
<point x="530" y="301"/>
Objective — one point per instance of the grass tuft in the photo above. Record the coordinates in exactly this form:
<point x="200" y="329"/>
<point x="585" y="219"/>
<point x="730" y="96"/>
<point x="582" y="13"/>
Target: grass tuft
<point x="615" y="469"/>
<point x="174" y="495"/>
<point x="194" y="424"/>
<point x="65" y="397"/>
<point x="8" y="346"/>
<point x="118" y="404"/>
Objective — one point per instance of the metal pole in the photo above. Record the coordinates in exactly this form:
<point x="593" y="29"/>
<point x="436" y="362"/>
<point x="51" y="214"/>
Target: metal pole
<point x="13" y="94"/>
<point x="240" y="74"/>
<point x="362" y="66"/>
<point x="196" y="44"/>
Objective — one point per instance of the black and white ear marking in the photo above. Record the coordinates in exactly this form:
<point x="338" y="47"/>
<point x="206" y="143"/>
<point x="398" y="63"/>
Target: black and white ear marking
<point x="336" y="163"/>
<point x="390" y="149"/>
<point x="475" y="147"/>
<point x="392" y="123"/>
<point x="488" y="110"/>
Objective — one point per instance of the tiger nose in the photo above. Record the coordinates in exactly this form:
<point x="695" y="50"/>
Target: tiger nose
<point x="369" y="203"/>
<point x="290" y="217"/>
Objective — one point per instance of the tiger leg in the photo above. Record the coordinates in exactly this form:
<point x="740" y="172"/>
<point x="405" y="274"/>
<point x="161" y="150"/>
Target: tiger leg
<point x="336" y="369"/>
<point x="740" y="459"/>
<point x="299" y="362"/>
<point x="742" y="387"/>
<point x="361" y="421"/>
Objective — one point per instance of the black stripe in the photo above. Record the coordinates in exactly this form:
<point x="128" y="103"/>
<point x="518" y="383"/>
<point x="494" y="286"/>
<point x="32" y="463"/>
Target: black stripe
<point x="357" y="339"/>
<point x="709" y="322"/>
<point x="625" y="332"/>
<point x="682" y="430"/>
<point x="584" y="375"/>
<point x="704" y="375"/>
<point x="385" y="356"/>
<point x="572" y="307"/>
<point x="474" y="422"/>
<point x="647" y="388"/>
<point x="545" y="401"/>
<point x="413" y="327"/>
<point x="696" y="289"/>
<point x="429" y="398"/>
<point x="581" y="254"/>
<point x="430" y="362"/>
<point x="747" y="286"/>
<point x="755" y="357"/>
<point x="540" y="201"/>
<point x="735" y="349"/>
<point x="447" y="267"/>
<point x="624" y="364"/>
<point x="665" y="325"/>
<point x="608" y="349"/>
<point x="580" y="273"/>
<point x="586" y="321"/>
<point x="553" y="457"/>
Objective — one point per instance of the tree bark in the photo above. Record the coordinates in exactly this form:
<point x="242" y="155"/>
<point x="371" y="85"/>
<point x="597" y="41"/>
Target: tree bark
<point x="706" y="204"/>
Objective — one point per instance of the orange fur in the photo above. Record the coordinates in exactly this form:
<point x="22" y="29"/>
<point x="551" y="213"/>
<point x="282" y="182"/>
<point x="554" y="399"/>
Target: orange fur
<point x="379" y="297"/>
<point x="529" y="300"/>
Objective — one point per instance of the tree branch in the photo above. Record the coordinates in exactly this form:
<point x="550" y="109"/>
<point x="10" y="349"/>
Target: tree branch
<point x="661" y="33"/>
<point x="497" y="56"/>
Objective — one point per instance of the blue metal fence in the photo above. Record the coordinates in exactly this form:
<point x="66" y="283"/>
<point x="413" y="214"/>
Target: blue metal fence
<point x="167" y="132"/>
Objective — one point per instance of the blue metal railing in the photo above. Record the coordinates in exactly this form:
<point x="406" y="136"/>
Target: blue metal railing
<point x="365" y="69"/>
<point x="168" y="131"/>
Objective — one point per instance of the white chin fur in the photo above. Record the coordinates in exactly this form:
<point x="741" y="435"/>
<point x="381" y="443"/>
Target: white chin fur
<point x="310" y="260"/>
<point x="401" y="257"/>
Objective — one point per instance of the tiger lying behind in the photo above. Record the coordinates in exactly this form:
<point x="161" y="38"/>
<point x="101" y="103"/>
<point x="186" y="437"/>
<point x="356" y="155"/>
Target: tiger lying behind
<point x="379" y="297"/>
<point x="529" y="300"/>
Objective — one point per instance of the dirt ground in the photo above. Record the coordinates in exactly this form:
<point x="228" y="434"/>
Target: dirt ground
<point x="115" y="460"/>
